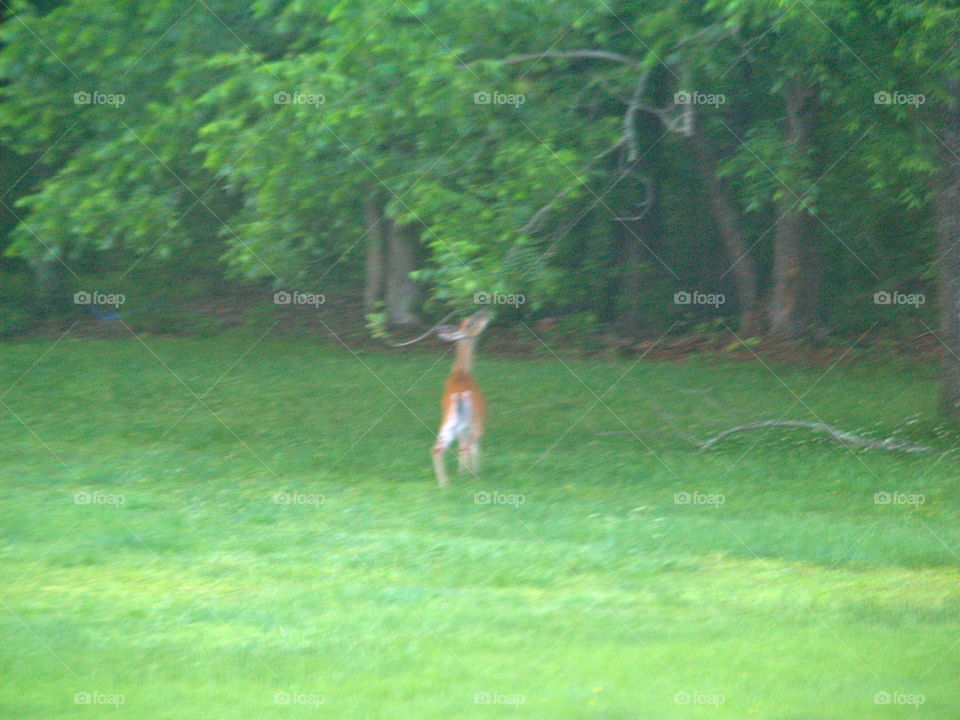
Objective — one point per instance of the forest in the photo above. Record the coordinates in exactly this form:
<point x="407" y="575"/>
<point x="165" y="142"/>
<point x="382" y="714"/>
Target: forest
<point x="797" y="160"/>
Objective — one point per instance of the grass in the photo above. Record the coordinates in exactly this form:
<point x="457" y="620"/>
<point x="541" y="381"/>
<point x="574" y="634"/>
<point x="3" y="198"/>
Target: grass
<point x="571" y="581"/>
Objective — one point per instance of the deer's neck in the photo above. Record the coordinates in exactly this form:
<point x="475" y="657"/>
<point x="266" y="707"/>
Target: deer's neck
<point x="464" y="360"/>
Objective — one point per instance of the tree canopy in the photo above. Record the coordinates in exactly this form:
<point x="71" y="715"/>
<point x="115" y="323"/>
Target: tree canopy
<point x="596" y="158"/>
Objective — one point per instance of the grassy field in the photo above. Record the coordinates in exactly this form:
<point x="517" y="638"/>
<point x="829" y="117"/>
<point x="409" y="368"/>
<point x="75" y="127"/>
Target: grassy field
<point x="217" y="529"/>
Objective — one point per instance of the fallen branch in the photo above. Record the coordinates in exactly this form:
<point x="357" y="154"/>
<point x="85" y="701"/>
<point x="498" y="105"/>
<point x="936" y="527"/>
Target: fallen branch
<point x="834" y="433"/>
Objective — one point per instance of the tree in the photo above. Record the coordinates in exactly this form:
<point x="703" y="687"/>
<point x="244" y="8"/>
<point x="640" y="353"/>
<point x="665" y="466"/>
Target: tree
<point x="922" y="37"/>
<point x="947" y="196"/>
<point x="426" y="151"/>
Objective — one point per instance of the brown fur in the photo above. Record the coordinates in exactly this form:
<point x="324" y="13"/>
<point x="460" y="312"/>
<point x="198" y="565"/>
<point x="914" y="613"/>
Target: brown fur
<point x="461" y="393"/>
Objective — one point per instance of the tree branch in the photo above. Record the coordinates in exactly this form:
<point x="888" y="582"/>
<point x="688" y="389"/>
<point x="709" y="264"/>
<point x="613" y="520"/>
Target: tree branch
<point x="421" y="337"/>
<point x="594" y="54"/>
<point x="646" y="204"/>
<point x="629" y="118"/>
<point x="531" y="224"/>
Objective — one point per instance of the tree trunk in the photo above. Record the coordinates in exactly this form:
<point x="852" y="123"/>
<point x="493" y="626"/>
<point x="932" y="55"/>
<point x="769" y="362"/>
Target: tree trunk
<point x="637" y="239"/>
<point x="628" y="320"/>
<point x="402" y="291"/>
<point x="794" y="305"/>
<point x="947" y="204"/>
<point x="375" y="267"/>
<point x="50" y="285"/>
<point x="728" y="220"/>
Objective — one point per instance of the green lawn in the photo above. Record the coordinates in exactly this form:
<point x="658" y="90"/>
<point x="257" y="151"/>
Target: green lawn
<point x="186" y="587"/>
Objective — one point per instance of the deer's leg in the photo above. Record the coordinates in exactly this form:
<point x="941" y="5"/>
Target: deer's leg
<point x="438" y="467"/>
<point x="472" y="448"/>
<point x="444" y="438"/>
<point x="463" y="450"/>
<point x="475" y="457"/>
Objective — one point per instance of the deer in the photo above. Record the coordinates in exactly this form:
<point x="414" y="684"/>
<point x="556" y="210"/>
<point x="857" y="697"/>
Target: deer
<point x="462" y="407"/>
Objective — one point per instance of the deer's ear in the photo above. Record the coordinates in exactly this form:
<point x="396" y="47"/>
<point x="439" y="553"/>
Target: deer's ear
<point x="449" y="333"/>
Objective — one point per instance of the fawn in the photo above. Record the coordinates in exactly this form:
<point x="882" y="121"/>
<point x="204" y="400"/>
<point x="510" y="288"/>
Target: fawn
<point x="463" y="409"/>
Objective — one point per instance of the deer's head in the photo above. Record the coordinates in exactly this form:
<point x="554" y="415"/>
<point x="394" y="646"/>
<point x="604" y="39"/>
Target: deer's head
<point x="470" y="327"/>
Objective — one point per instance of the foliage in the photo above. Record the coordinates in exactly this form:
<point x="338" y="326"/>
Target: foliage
<point x="264" y="126"/>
